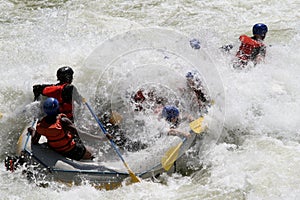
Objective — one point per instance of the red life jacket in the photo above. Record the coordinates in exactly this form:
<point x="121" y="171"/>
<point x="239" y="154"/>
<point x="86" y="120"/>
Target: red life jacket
<point x="247" y="47"/>
<point x="55" y="91"/>
<point x="58" y="139"/>
<point x="139" y="96"/>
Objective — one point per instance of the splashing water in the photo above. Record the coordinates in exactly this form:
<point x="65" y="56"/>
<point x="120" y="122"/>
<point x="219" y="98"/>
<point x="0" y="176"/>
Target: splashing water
<point x="256" y="155"/>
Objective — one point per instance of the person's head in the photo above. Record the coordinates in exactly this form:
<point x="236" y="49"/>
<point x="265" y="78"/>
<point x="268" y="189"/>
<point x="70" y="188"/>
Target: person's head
<point x="51" y="106"/>
<point x="260" y="30"/>
<point x="170" y="113"/>
<point x="191" y="78"/>
<point x="65" y="74"/>
<point x="189" y="75"/>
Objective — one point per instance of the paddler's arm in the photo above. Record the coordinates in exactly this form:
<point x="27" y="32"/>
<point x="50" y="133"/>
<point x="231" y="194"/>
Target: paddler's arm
<point x="173" y="131"/>
<point x="69" y="125"/>
<point x="38" y="90"/>
<point x="86" y="136"/>
<point x="35" y="136"/>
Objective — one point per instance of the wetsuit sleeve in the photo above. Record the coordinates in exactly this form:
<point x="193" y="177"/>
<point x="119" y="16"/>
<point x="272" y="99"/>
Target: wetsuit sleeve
<point x="38" y="90"/>
<point x="259" y="52"/>
<point x="262" y="51"/>
<point x="77" y="97"/>
<point x="70" y="93"/>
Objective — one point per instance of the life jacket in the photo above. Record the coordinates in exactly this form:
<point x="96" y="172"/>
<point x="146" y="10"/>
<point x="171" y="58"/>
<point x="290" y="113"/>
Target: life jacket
<point x="55" y="91"/>
<point x="139" y="98"/>
<point x="247" y="47"/>
<point x="58" y="139"/>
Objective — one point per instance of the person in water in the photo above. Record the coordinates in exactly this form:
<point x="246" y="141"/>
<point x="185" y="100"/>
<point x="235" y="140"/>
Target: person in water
<point x="195" y="84"/>
<point x="111" y="122"/>
<point x="142" y="100"/>
<point x="252" y="48"/>
<point x="63" y="91"/>
<point x="62" y="135"/>
<point x="171" y="114"/>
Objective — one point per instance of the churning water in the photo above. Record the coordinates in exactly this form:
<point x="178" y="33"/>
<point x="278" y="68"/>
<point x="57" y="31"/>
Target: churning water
<point x="256" y="154"/>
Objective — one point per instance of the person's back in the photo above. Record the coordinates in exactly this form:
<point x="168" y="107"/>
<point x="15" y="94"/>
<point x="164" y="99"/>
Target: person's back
<point x="63" y="91"/>
<point x="252" y="48"/>
<point x="61" y="134"/>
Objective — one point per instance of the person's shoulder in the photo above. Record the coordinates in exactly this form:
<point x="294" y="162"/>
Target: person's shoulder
<point x="244" y="37"/>
<point x="64" y="119"/>
<point x="69" y="87"/>
<point x="63" y="116"/>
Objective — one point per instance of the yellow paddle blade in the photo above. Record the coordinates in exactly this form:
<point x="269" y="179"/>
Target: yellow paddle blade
<point x="196" y="125"/>
<point x="134" y="178"/>
<point x="1" y="115"/>
<point x="170" y="157"/>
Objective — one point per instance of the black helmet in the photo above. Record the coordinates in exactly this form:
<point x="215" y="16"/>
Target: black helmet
<point x="65" y="74"/>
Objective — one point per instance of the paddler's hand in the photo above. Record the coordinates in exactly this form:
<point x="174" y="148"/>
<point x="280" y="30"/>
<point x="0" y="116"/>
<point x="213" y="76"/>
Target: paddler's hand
<point x="31" y="130"/>
<point x="109" y="136"/>
<point x="176" y="132"/>
<point x="187" y="135"/>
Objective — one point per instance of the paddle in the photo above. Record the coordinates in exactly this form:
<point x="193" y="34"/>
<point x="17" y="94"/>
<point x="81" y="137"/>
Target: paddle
<point x="196" y="125"/>
<point x="134" y="178"/>
<point x="171" y="155"/>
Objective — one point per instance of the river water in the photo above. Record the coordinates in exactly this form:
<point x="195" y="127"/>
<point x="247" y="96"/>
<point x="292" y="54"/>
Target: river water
<point x="256" y="152"/>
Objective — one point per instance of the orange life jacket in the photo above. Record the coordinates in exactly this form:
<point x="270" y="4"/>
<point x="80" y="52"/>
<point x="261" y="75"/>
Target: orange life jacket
<point x="58" y="139"/>
<point x="247" y="47"/>
<point x="55" y="91"/>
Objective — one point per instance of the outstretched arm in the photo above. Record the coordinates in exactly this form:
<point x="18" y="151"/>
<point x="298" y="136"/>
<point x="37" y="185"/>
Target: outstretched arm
<point x="173" y="131"/>
<point x="69" y="125"/>
<point x="38" y="90"/>
<point x="89" y="137"/>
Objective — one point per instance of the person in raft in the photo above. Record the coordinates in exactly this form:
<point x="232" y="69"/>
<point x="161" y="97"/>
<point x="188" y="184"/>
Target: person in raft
<point x="62" y="135"/>
<point x="171" y="114"/>
<point x="63" y="91"/>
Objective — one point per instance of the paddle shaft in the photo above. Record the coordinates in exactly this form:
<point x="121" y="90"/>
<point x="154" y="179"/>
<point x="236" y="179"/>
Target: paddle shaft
<point x="171" y="155"/>
<point x="104" y="131"/>
<point x="133" y="176"/>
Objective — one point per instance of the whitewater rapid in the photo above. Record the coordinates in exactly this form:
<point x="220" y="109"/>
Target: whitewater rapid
<point x="256" y="155"/>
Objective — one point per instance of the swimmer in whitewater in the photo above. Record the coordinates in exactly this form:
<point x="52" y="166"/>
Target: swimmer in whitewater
<point x="252" y="48"/>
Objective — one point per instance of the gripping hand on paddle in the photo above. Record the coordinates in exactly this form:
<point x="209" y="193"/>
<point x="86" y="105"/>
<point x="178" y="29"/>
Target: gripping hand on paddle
<point x="173" y="131"/>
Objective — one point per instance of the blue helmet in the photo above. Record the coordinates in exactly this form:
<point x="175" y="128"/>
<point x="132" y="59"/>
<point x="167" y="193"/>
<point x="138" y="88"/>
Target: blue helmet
<point x="170" y="112"/>
<point x="260" y="29"/>
<point x="51" y="106"/>
<point x="189" y="75"/>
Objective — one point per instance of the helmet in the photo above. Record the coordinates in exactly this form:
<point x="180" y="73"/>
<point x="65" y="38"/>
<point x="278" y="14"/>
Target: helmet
<point x="260" y="29"/>
<point x="189" y="75"/>
<point x="65" y="74"/>
<point x="195" y="43"/>
<point x="51" y="106"/>
<point x="170" y="112"/>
